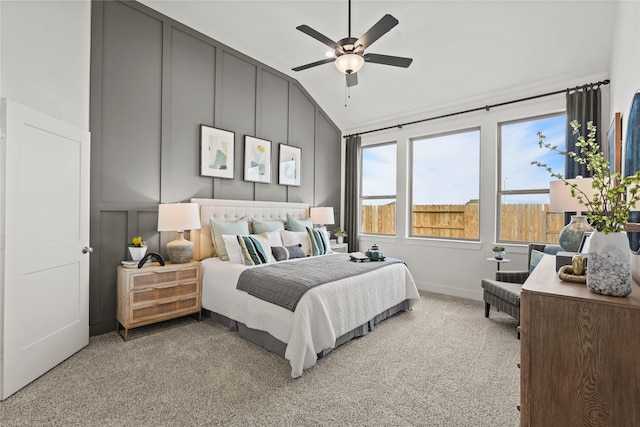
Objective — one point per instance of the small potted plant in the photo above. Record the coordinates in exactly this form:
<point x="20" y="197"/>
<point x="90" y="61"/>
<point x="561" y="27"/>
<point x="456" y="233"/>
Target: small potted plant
<point x="340" y="234"/>
<point x="137" y="248"/>
<point x="498" y="252"/>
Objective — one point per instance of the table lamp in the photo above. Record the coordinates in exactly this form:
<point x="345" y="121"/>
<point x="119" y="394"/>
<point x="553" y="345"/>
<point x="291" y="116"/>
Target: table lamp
<point x="562" y="201"/>
<point x="322" y="216"/>
<point x="179" y="217"/>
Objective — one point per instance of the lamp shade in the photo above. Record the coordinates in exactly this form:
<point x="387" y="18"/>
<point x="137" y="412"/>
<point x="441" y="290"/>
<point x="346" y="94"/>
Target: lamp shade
<point x="322" y="215"/>
<point x="178" y="217"/>
<point x="349" y="63"/>
<point x="561" y="198"/>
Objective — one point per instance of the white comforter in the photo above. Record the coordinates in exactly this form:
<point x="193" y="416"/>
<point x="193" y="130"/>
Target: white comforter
<point x="323" y="314"/>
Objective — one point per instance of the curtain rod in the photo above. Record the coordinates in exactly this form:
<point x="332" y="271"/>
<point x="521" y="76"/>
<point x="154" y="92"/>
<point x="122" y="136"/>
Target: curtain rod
<point x="486" y="107"/>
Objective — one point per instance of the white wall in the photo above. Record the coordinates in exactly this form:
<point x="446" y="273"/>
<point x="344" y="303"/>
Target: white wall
<point x="45" y="57"/>
<point x="625" y="60"/>
<point x="456" y="267"/>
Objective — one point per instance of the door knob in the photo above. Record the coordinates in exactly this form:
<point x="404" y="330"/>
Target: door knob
<point x="87" y="250"/>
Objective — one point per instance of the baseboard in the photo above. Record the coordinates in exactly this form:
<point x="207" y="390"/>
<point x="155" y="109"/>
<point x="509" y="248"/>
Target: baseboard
<point x="450" y="290"/>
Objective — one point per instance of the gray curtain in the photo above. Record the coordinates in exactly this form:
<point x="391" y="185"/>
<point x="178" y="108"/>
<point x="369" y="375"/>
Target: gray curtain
<point x="583" y="105"/>
<point x="351" y="200"/>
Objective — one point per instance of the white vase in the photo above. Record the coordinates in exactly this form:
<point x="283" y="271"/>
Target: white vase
<point x="137" y="252"/>
<point x="609" y="264"/>
<point x="339" y="239"/>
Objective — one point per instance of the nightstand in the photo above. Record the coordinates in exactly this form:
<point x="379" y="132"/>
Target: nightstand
<point x="156" y="293"/>
<point x="339" y="247"/>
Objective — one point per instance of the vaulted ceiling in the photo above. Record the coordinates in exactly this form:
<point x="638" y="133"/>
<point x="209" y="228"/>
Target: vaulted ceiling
<point x="465" y="53"/>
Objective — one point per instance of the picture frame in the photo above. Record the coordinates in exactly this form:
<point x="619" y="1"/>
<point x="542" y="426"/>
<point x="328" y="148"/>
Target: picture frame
<point x="217" y="152"/>
<point x="613" y="144"/>
<point x="289" y="165"/>
<point x="257" y="159"/>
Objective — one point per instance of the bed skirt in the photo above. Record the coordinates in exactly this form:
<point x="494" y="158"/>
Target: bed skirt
<point x="269" y="342"/>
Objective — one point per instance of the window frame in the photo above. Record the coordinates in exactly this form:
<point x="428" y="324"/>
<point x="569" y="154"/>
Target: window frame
<point x="361" y="197"/>
<point x="410" y="187"/>
<point x="499" y="191"/>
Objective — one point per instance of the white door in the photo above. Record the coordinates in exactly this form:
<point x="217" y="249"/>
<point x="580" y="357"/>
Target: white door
<point x="45" y="282"/>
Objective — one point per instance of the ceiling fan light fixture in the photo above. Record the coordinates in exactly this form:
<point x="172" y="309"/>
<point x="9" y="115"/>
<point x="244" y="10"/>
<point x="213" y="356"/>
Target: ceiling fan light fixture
<point x="349" y="63"/>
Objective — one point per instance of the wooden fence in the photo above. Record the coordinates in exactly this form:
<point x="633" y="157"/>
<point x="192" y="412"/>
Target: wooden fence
<point x="519" y="222"/>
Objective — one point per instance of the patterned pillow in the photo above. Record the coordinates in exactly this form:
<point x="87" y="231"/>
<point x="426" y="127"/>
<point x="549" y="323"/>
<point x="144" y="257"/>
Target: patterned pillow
<point x="282" y="253"/>
<point x="295" y="224"/>
<point x="319" y="246"/>
<point x="253" y="250"/>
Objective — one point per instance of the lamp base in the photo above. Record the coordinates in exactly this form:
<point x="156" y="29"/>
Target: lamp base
<point x="180" y="250"/>
<point x="571" y="235"/>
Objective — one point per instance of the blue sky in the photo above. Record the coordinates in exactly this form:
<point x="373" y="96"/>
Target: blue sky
<point x="436" y="181"/>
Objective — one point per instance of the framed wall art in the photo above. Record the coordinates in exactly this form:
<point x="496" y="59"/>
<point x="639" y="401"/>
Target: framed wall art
<point x="257" y="159"/>
<point x="216" y="152"/>
<point x="289" y="166"/>
<point x="613" y="144"/>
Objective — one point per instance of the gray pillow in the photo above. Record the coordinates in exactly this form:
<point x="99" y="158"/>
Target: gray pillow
<point x="295" y="224"/>
<point x="218" y="228"/>
<point x="281" y="253"/>
<point x="266" y="226"/>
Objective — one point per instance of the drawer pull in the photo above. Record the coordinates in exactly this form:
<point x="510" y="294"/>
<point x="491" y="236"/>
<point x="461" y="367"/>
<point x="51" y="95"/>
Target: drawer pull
<point x="518" y="329"/>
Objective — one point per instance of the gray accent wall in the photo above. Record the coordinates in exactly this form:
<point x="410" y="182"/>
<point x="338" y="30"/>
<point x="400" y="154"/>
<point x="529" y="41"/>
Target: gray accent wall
<point x="153" y="82"/>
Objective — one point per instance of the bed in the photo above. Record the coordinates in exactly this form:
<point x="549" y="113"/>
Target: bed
<point x="325" y="316"/>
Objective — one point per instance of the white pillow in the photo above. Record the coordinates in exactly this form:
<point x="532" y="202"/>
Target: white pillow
<point x="235" y="252"/>
<point x="273" y="237"/>
<point x="291" y="238"/>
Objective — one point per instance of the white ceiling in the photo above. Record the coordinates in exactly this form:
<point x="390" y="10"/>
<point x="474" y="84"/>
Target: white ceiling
<point x="465" y="53"/>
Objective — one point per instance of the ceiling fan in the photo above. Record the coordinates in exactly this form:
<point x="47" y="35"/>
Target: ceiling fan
<point x="349" y="52"/>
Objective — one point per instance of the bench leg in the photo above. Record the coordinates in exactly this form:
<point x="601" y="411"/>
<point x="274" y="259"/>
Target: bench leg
<point x="487" y="307"/>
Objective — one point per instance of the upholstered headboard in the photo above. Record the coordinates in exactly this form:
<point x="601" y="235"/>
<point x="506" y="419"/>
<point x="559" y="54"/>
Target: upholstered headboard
<point x="231" y="210"/>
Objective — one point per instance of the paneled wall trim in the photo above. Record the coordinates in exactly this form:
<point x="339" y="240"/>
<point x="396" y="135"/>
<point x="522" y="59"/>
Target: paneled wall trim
<point x="153" y="82"/>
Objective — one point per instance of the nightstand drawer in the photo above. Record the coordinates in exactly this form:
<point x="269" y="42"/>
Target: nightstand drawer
<point x="153" y="293"/>
<point x="164" y="277"/>
<point x="169" y="308"/>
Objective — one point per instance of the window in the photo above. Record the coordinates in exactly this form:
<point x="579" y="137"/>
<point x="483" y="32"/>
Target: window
<point x="523" y="189"/>
<point x="378" y="189"/>
<point x="446" y="185"/>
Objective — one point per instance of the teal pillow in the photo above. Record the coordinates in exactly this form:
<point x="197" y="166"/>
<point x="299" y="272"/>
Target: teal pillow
<point x="218" y="228"/>
<point x="536" y="256"/>
<point x="252" y="251"/>
<point x="295" y="224"/>
<point x="266" y="226"/>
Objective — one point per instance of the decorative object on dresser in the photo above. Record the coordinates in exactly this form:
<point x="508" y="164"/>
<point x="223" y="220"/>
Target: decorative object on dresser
<point x="289" y="165"/>
<point x="216" y="152"/>
<point x="179" y="217"/>
<point x="608" y="202"/>
<point x="137" y="248"/>
<point x="561" y="200"/>
<point x="582" y="343"/>
<point x="322" y="216"/>
<point x="257" y="159"/>
<point x="156" y="293"/>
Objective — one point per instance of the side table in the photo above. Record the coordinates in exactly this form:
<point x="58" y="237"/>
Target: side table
<point x="498" y="261"/>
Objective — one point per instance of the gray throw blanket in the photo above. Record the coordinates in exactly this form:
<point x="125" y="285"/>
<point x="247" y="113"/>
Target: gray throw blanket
<point x="285" y="283"/>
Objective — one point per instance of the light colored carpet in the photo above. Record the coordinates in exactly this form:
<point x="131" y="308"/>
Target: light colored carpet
<point x="442" y="364"/>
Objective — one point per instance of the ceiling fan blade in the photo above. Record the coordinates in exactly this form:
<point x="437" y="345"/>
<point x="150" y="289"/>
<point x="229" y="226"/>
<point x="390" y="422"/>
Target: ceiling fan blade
<point x="380" y="28"/>
<point x="396" y="61"/>
<point x="314" y="64"/>
<point x="352" y="79"/>
<point x="316" y="35"/>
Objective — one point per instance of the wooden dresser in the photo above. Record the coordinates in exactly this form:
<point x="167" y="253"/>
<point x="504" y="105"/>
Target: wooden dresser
<point x="580" y="354"/>
<point x="155" y="293"/>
